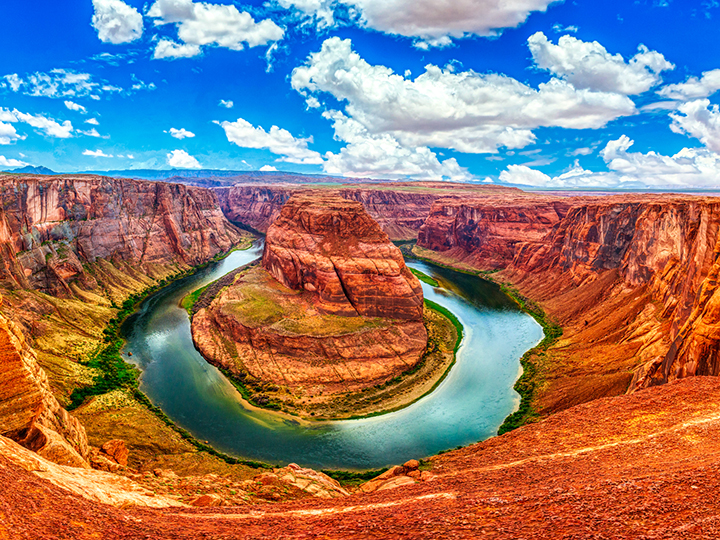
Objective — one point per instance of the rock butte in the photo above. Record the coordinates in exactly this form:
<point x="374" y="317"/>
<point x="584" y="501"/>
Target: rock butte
<point x="333" y="308"/>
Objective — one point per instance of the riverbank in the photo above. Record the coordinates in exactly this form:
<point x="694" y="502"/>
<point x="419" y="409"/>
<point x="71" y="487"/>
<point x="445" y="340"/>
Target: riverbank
<point x="533" y="361"/>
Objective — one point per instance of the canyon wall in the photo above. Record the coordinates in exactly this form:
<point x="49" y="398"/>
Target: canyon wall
<point x="400" y="210"/>
<point x="51" y="226"/>
<point x="631" y="278"/>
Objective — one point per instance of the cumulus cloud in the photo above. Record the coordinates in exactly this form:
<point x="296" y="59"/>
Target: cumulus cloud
<point x="181" y="133"/>
<point x="268" y="168"/>
<point x="699" y="119"/>
<point x="689" y="168"/>
<point x="9" y="162"/>
<point x="75" y="107"/>
<point x="589" y="65"/>
<point x="441" y="108"/>
<point x="8" y="134"/>
<point x="116" y="22"/>
<point x="48" y="126"/>
<point x="694" y="87"/>
<point x="320" y="10"/>
<point x="201" y="23"/>
<point x="226" y="104"/>
<point x="382" y="156"/>
<point x="180" y="159"/>
<point x="96" y="153"/>
<point x="435" y="22"/>
<point x="278" y="141"/>
<point x="92" y="121"/>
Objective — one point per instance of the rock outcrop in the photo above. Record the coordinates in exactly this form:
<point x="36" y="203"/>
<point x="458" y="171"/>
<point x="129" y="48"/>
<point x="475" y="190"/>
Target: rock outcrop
<point x="29" y="413"/>
<point x="631" y="278"/>
<point x="51" y="226"/>
<point x="333" y="309"/>
<point x="330" y="246"/>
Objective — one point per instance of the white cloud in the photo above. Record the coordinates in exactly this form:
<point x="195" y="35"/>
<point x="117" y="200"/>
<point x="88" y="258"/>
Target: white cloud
<point x="465" y="111"/>
<point x="689" y="168"/>
<point x="169" y="49"/>
<point x="699" y="119"/>
<point x="268" y="168"/>
<point x="278" y="141"/>
<point x="8" y="134"/>
<point x="435" y="22"/>
<point x="181" y="133"/>
<point x="96" y="153"/>
<point x="201" y="23"/>
<point x="559" y="28"/>
<point x="5" y="162"/>
<point x="92" y="121"/>
<point x="116" y="22"/>
<point x="47" y="125"/>
<point x="57" y="83"/>
<point x="75" y="107"/>
<point x="320" y="10"/>
<point x="93" y="133"/>
<point x="693" y="88"/>
<point x="589" y="65"/>
<point x="382" y="156"/>
<point x="180" y="159"/>
<point x="226" y="104"/>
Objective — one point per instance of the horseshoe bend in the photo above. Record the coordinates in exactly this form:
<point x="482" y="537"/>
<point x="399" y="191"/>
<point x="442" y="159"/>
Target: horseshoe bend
<point x="614" y="432"/>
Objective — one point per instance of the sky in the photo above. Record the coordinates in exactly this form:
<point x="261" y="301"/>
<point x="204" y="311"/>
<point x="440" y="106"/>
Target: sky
<point x="563" y="94"/>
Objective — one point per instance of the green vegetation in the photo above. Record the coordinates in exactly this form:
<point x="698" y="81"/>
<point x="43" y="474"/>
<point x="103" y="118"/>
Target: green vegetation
<point x="352" y="478"/>
<point x="116" y="374"/>
<point x="527" y="383"/>
<point x="424" y="278"/>
<point x="189" y="301"/>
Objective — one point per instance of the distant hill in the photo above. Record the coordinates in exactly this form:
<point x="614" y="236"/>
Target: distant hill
<point x="29" y="169"/>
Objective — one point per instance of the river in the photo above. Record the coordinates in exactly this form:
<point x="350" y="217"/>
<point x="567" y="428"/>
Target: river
<point x="468" y="406"/>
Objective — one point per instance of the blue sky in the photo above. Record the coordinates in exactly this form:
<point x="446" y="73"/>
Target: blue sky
<point x="549" y="94"/>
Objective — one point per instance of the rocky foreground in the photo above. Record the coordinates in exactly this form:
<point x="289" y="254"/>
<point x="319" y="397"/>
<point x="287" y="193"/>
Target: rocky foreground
<point x="637" y="466"/>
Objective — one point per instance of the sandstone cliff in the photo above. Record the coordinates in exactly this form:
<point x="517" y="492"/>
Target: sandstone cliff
<point x="29" y="413"/>
<point x="334" y="308"/>
<point x="400" y="209"/>
<point x="330" y="246"/>
<point x="51" y="226"/>
<point x="631" y="278"/>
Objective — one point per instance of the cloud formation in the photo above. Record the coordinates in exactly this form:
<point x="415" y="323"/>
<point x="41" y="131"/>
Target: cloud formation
<point x="201" y="23"/>
<point x="181" y="133"/>
<point x="116" y="22"/>
<point x="694" y="87"/>
<point x="180" y="159"/>
<point x="278" y="141"/>
<point x="47" y="126"/>
<point x="589" y="65"/>
<point x="75" y="107"/>
<point x="698" y="119"/>
<point x="464" y="111"/>
<point x="96" y="153"/>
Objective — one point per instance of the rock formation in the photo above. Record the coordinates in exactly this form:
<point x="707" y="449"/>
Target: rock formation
<point x="632" y="279"/>
<point x="29" y="413"/>
<point x="399" y="209"/>
<point x="333" y="309"/>
<point x="51" y="226"/>
<point x="330" y="246"/>
<point x="636" y="466"/>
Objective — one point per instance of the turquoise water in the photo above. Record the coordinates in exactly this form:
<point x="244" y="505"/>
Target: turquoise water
<point x="468" y="406"/>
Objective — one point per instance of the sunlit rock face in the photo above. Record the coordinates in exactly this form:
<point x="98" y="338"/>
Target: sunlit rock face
<point x="330" y="246"/>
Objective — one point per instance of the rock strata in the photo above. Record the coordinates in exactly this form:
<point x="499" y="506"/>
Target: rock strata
<point x="333" y="309"/>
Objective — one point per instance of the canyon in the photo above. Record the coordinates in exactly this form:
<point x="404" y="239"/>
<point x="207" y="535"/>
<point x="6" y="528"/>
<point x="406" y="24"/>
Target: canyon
<point x="332" y="309"/>
<point x="623" y="408"/>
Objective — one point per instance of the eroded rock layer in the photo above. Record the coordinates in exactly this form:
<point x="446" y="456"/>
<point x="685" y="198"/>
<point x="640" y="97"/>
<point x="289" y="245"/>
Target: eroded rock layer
<point x="333" y="308"/>
<point x="330" y="246"/>
<point x="631" y="278"/>
<point x="29" y="413"/>
<point x="50" y="226"/>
